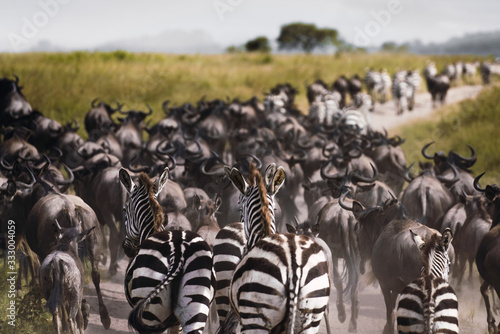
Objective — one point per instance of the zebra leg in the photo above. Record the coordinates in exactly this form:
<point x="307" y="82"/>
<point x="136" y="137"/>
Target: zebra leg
<point x="337" y="281"/>
<point x="492" y="328"/>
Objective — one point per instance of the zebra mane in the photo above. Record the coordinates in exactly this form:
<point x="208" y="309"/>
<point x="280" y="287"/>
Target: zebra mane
<point x="255" y="180"/>
<point x="145" y="181"/>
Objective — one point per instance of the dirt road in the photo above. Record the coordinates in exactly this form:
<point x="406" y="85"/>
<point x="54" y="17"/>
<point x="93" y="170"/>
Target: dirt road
<point x="371" y="318"/>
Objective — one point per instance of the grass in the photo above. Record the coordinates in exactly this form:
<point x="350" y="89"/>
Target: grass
<point x="474" y="121"/>
<point x="62" y="85"/>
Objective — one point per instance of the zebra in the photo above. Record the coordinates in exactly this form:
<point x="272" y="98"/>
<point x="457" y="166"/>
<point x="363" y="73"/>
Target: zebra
<point x="386" y="85"/>
<point x="413" y="79"/>
<point x="169" y="280"/>
<point x="429" y="304"/>
<point x="282" y="281"/>
<point x="373" y="82"/>
<point x="401" y="91"/>
<point x="469" y="72"/>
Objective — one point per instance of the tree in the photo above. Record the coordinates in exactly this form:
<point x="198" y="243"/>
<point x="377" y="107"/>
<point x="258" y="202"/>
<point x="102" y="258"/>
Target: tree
<point x="393" y="47"/>
<point x="260" y="44"/>
<point x="306" y="37"/>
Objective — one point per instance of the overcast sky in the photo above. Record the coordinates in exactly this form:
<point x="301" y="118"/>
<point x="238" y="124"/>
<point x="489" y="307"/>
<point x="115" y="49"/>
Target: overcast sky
<point x="212" y="25"/>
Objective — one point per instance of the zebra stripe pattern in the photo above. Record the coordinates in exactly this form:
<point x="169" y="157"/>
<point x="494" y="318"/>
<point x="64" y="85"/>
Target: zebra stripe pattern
<point x="170" y="279"/>
<point x="429" y="304"/>
<point x="282" y="282"/>
<point x="229" y="248"/>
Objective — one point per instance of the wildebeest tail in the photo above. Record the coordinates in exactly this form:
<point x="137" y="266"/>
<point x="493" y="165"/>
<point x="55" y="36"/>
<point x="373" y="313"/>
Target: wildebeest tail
<point x="55" y="299"/>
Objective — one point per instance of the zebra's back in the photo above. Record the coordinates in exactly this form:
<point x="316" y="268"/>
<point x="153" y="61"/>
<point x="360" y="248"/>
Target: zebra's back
<point x="427" y="305"/>
<point x="172" y="281"/>
<point x="282" y="280"/>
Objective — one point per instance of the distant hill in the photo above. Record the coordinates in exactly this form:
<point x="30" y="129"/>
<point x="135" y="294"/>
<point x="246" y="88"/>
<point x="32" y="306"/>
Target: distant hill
<point x="483" y="43"/>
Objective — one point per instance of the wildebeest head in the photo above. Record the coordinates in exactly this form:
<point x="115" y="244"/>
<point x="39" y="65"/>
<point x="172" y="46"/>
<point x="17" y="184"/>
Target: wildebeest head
<point x="492" y="192"/>
<point x="13" y="104"/>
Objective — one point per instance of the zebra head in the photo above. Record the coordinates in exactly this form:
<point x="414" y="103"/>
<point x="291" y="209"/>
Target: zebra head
<point x="435" y="253"/>
<point x="257" y="199"/>
<point x="142" y="214"/>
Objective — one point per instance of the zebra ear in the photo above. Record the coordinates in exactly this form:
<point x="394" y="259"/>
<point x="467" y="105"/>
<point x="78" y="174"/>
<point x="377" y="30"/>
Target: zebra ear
<point x="269" y="174"/>
<point x="278" y="180"/>
<point x="418" y="240"/>
<point x="446" y="239"/>
<point x="237" y="179"/>
<point x="160" y="182"/>
<point x="126" y="180"/>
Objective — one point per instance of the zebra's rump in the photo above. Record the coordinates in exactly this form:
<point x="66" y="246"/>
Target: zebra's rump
<point x="430" y="304"/>
<point x="229" y="247"/>
<point x="172" y="273"/>
<point x="283" y="277"/>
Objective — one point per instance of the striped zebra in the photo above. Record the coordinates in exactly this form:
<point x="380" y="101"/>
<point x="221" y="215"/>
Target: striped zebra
<point x="373" y="82"/>
<point x="386" y="85"/>
<point x="281" y="284"/>
<point x="429" y="304"/>
<point x="169" y="280"/>
<point x="413" y="79"/>
<point x="401" y="92"/>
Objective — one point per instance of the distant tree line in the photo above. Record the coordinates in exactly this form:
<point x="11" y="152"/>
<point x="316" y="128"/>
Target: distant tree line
<point x="299" y="36"/>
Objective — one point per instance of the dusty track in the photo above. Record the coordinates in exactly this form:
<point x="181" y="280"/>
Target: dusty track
<point x="372" y="308"/>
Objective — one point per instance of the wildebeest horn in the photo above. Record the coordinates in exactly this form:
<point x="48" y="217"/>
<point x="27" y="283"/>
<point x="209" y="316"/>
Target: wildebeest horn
<point x="257" y="160"/>
<point x="150" y="110"/>
<point x="360" y="178"/>
<point x="476" y="183"/>
<point x="324" y="175"/>
<point x="165" y="108"/>
<point x="17" y="78"/>
<point x="76" y="126"/>
<point x="4" y="164"/>
<point x="163" y="148"/>
<point x="425" y="153"/>
<point x="71" y="177"/>
<point x="28" y="185"/>
<point x="168" y="158"/>
<point x="396" y="141"/>
<point x="118" y="106"/>
<point x="472" y="158"/>
<point x="406" y="174"/>
<point x="449" y="182"/>
<point x="94" y="102"/>
<point x="343" y="194"/>
<point x="203" y="167"/>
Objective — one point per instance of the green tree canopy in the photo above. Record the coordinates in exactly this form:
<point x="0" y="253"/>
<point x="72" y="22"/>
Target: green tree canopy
<point x="259" y="44"/>
<point x="306" y="37"/>
<point x="393" y="47"/>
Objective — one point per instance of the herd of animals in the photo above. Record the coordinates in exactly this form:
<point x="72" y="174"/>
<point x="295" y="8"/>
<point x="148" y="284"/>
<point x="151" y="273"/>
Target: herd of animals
<point x="211" y="228"/>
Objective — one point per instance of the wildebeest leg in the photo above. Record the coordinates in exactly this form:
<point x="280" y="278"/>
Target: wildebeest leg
<point x="492" y="328"/>
<point x="56" y="321"/>
<point x="79" y="321"/>
<point x="92" y="243"/>
<point x="113" y="243"/>
<point x="326" y="317"/>
<point x="337" y="281"/>
<point x="461" y="269"/>
<point x="390" y="302"/>
<point x="104" y="257"/>
<point x="85" y="313"/>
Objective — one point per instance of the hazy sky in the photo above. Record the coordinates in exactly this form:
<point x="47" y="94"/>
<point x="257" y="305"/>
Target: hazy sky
<point x="188" y="24"/>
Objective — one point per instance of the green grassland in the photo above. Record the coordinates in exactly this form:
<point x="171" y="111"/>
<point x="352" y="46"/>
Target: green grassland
<point x="474" y="121"/>
<point x="62" y="85"/>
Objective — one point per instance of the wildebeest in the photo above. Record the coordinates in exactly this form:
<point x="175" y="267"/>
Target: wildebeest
<point x="488" y="253"/>
<point x="396" y="263"/>
<point x="13" y="104"/>
<point x="61" y="280"/>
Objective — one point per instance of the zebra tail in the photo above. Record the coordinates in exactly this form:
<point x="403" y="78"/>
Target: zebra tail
<point x="136" y="316"/>
<point x="55" y="299"/>
<point x="230" y="324"/>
